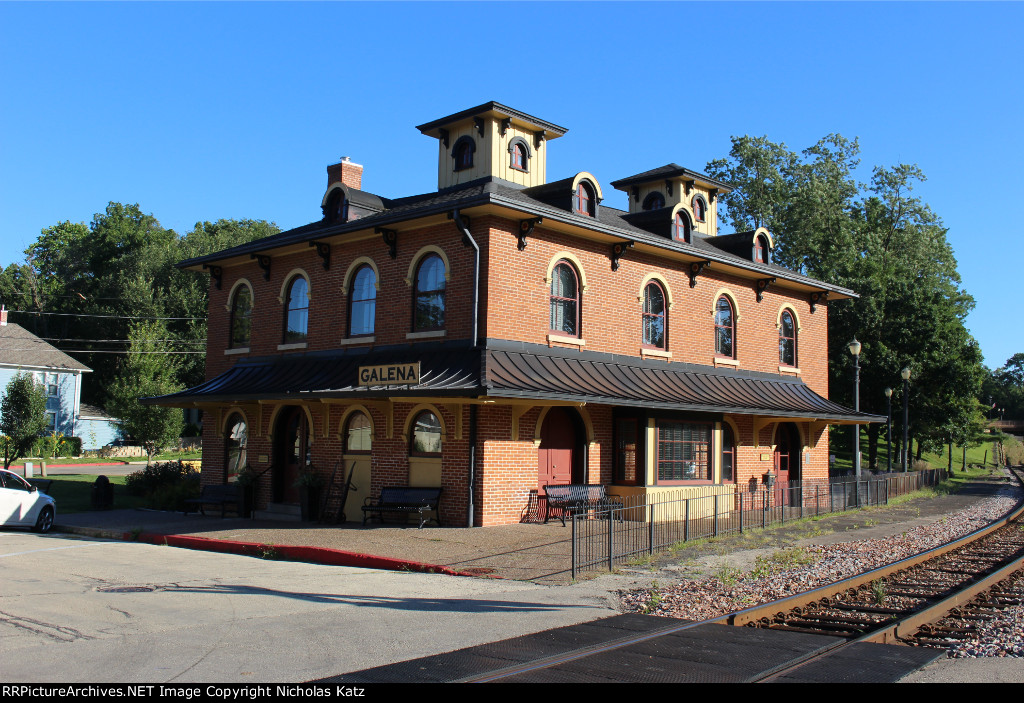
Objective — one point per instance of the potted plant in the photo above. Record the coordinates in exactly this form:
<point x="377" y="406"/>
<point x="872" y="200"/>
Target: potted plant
<point x="309" y="483"/>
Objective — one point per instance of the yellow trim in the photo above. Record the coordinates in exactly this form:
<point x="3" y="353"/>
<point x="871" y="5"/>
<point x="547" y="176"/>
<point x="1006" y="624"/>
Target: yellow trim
<point x="796" y="317"/>
<point x="585" y="175"/>
<point x="277" y="410"/>
<point x="428" y="249"/>
<point x="356" y="263"/>
<point x="291" y="277"/>
<point x="765" y="232"/>
<point x="231" y="293"/>
<point x="416" y="411"/>
<point x="570" y="257"/>
<point x="225" y="417"/>
<point x="731" y="296"/>
<point x="661" y="280"/>
<point x="588" y="425"/>
<point x="735" y="430"/>
<point x="349" y="411"/>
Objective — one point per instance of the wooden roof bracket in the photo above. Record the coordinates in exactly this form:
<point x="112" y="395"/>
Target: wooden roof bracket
<point x="324" y="250"/>
<point x="762" y="286"/>
<point x="526" y="229"/>
<point x="444" y="136"/>
<point x="216" y="273"/>
<point x="390" y="237"/>
<point x="538" y="138"/>
<point x="618" y="249"/>
<point x="505" y="124"/>
<point x="689" y="185"/>
<point x="479" y="122"/>
<point x="818" y="298"/>
<point x="695" y="268"/>
<point x="713" y="193"/>
<point x="264" y="263"/>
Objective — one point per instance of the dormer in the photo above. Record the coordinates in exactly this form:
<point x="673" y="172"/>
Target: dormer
<point x="682" y="190"/>
<point x="755" y="245"/>
<point x="491" y="140"/>
<point x="343" y="200"/>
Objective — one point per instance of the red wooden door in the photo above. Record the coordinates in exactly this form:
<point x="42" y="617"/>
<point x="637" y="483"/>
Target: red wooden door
<point x="292" y="453"/>
<point x="555" y="456"/>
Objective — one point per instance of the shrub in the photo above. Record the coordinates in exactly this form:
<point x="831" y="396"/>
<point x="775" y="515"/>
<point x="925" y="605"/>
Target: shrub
<point x="165" y="485"/>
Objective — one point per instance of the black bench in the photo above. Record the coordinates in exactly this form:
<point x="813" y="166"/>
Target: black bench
<point x="577" y="498"/>
<point x="407" y="500"/>
<point x="222" y="494"/>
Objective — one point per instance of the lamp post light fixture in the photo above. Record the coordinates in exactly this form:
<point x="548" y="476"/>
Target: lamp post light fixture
<point x="888" y="427"/>
<point x="855" y="351"/>
<point x="905" y="374"/>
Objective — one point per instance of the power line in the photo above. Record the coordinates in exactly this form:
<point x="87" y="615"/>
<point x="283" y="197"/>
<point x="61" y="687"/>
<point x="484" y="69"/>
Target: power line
<point x="114" y="317"/>
<point x="106" y="351"/>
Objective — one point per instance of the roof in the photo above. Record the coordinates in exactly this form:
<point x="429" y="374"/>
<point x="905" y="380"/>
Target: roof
<point x="498" y="109"/>
<point x="504" y="369"/>
<point x="668" y="171"/>
<point x="19" y="347"/>
<point x="496" y="191"/>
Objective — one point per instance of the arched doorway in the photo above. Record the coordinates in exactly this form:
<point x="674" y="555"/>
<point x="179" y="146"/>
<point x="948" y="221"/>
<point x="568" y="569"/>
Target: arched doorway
<point x="559" y="456"/>
<point x="787" y="463"/>
<point x="291" y="453"/>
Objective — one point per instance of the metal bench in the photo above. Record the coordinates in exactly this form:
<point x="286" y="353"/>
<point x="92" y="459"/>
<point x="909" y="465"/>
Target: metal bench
<point x="577" y="498"/>
<point x="222" y="494"/>
<point x="407" y="500"/>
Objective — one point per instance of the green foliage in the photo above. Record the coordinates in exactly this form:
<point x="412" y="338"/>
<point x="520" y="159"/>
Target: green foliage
<point x="165" y="486"/>
<point x="22" y="416"/>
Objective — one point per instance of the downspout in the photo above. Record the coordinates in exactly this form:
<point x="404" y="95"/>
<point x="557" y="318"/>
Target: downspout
<point x="467" y="238"/>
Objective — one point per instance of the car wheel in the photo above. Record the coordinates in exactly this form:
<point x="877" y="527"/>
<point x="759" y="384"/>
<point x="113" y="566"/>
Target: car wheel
<point x="45" y="521"/>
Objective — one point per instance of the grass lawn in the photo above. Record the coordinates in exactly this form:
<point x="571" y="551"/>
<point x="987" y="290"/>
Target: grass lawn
<point x="981" y="454"/>
<point x="165" y="456"/>
<point x="73" y="493"/>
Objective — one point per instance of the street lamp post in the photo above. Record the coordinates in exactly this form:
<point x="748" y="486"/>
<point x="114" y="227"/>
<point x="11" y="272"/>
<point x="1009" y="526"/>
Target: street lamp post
<point x="888" y="428"/>
<point x="855" y="350"/>
<point x="905" y="374"/>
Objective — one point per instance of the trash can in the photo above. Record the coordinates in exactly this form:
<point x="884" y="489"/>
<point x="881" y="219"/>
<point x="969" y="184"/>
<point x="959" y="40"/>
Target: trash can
<point x="102" y="494"/>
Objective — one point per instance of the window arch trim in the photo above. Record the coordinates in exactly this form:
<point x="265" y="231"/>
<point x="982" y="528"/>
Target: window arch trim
<point x="527" y="154"/>
<point x="231" y="294"/>
<point x="651" y="198"/>
<point x="796" y="338"/>
<point x="414" y="413"/>
<point x="571" y="258"/>
<point x="331" y="189"/>
<point x="464" y="142"/>
<point x="347" y="415"/>
<point x="698" y="198"/>
<point x="357" y="263"/>
<point x="410" y="277"/>
<point x="681" y="210"/>
<point x="657" y="278"/>
<point x="664" y="346"/>
<point x="283" y="295"/>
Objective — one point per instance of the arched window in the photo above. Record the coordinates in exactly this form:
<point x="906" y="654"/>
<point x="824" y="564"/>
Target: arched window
<point x="762" y="253"/>
<point x="296" y="317"/>
<point x="583" y="201"/>
<point x="426" y="435"/>
<point x="787" y="339"/>
<point x="362" y="302"/>
<point x="518" y="153"/>
<point x="336" y="209"/>
<point x="700" y="208"/>
<point x="655" y="330"/>
<point x="725" y="329"/>
<point x="565" y="300"/>
<point x="728" y="454"/>
<point x="429" y="296"/>
<point x="358" y="434"/>
<point x="654" y="201"/>
<point x="462" y="153"/>
<point x="235" y="442"/>
<point x="681" y="228"/>
<point x="241" y="317"/>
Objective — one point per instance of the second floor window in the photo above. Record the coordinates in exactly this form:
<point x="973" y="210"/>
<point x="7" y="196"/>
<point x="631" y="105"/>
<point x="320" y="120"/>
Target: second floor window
<point x="362" y="303"/>
<point x="565" y="300"/>
<point x="654" y="317"/>
<point x="241" y="317"/>
<point x="681" y="228"/>
<point x="296" y="320"/>
<point x="700" y="209"/>
<point x="429" y="296"/>
<point x="725" y="329"/>
<point x="761" y="250"/>
<point x="787" y="339"/>
<point x="518" y="152"/>
<point x="583" y="200"/>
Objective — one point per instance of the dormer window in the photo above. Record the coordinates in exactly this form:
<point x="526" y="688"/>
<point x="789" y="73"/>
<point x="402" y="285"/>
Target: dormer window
<point x="583" y="201"/>
<point x="462" y="153"/>
<point x="654" y="201"/>
<point x="336" y="209"/>
<point x="681" y="228"/>
<point x="762" y="253"/>
<point x="519" y="155"/>
<point x="700" y="208"/>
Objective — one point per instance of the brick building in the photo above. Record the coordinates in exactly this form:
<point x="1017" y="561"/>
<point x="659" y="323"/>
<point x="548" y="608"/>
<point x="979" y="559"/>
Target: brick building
<point x="506" y="332"/>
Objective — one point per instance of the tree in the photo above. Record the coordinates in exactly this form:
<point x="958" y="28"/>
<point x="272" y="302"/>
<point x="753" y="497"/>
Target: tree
<point x="22" y="416"/>
<point x="144" y="373"/>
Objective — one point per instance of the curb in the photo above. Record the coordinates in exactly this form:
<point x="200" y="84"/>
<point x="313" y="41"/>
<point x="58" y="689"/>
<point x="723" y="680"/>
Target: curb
<point x="277" y="552"/>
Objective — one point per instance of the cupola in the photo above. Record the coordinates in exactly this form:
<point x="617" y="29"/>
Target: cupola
<point x="689" y="195"/>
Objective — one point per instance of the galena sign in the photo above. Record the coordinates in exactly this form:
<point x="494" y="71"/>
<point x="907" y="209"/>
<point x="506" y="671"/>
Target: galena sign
<point x="390" y="375"/>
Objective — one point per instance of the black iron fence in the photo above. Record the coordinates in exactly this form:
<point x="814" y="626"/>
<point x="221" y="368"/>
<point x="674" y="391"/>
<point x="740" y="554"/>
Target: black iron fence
<point x="647" y="523"/>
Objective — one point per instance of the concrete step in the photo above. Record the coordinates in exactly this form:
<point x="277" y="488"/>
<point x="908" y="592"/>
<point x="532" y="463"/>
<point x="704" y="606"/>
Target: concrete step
<point x="283" y="512"/>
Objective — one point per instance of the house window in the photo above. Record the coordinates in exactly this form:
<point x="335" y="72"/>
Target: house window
<point x="429" y="297"/>
<point x="565" y="300"/>
<point x="51" y="385"/>
<point x="728" y="454"/>
<point x="358" y="434"/>
<point x="626" y="457"/>
<point x="725" y="329"/>
<point x="241" y="317"/>
<point x="462" y="153"/>
<point x="51" y="421"/>
<point x="426" y="435"/>
<point x="362" y="302"/>
<point x="700" y="208"/>
<point x="518" y="152"/>
<point x="235" y="447"/>
<point x="683" y="451"/>
<point x="787" y="339"/>
<point x="583" y="202"/>
<point x="296" y="320"/>
<point x="337" y="207"/>
<point x="761" y="250"/>
<point x="681" y="228"/>
<point x="654" y="317"/>
<point x="654" y="201"/>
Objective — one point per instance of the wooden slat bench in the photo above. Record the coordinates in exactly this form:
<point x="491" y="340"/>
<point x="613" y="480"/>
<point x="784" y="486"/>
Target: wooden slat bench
<point x="407" y="500"/>
<point x="577" y="498"/>
<point x="222" y="494"/>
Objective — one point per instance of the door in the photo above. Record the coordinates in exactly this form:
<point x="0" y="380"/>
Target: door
<point x="787" y="464"/>
<point x="557" y="445"/>
<point x="291" y="453"/>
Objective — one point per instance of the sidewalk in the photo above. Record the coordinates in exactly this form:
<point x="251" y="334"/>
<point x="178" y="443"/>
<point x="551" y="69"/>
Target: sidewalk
<point x="527" y="552"/>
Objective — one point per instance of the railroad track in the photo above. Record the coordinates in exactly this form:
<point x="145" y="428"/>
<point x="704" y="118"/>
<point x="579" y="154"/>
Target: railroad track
<point x="932" y="599"/>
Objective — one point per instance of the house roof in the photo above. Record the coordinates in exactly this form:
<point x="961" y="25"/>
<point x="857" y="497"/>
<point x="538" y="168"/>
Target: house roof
<point x="503" y="369"/>
<point x="19" y="347"/>
<point x="669" y="171"/>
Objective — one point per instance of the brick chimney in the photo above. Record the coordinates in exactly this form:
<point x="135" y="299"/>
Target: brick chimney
<point x="3" y="315"/>
<point x="349" y="173"/>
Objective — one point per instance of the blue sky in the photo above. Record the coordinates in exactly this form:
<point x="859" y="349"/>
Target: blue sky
<point x="200" y="111"/>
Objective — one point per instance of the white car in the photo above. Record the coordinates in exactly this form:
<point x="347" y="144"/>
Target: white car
<point x="24" y="505"/>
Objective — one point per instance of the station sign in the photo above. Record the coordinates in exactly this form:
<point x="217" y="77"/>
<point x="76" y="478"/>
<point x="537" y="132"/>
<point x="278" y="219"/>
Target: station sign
<point x="390" y="375"/>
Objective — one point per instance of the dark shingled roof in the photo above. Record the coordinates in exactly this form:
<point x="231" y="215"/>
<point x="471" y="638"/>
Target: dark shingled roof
<point x="665" y="172"/>
<point x="19" y="347"/>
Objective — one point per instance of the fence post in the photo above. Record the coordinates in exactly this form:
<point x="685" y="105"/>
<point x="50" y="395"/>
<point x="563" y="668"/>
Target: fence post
<point x="573" y="557"/>
<point x="686" y="519"/>
<point x="715" y="522"/>
<point x="611" y="540"/>
<point x="650" y="527"/>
